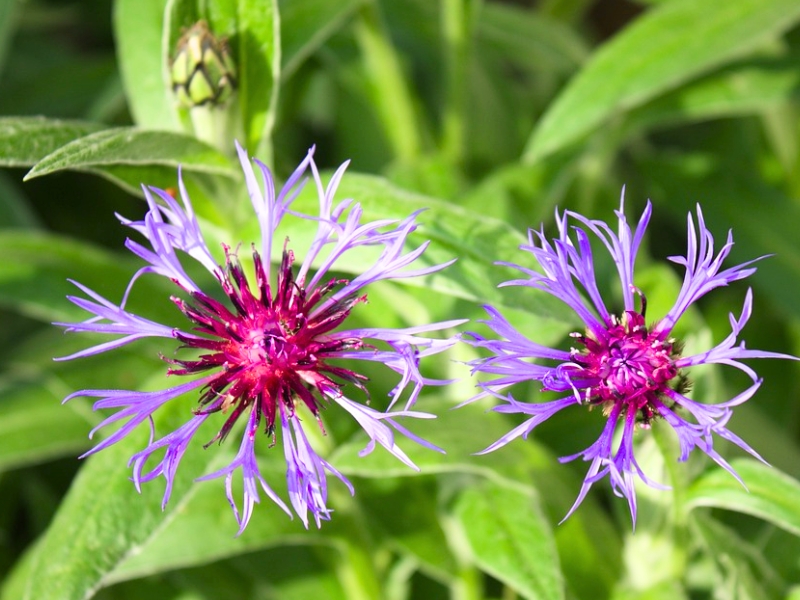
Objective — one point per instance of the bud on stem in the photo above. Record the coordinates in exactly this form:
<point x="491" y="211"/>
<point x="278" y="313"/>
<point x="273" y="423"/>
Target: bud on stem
<point x="202" y="69"/>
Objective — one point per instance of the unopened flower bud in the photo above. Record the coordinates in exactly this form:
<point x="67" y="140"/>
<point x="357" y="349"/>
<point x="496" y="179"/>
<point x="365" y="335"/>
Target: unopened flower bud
<point x="202" y="69"/>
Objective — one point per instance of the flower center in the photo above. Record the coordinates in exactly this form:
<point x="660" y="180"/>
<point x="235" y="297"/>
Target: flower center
<point x="628" y="364"/>
<point x="271" y="350"/>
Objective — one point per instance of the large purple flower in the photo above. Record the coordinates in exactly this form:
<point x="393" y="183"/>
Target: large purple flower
<point x="271" y="348"/>
<point x="634" y="372"/>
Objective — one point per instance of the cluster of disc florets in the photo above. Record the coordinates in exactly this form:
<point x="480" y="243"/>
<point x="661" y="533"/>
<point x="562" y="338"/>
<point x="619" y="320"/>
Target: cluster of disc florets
<point x="629" y="363"/>
<point x="271" y="349"/>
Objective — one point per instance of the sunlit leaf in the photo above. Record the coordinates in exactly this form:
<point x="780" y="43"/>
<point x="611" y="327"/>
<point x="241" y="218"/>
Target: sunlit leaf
<point x="24" y="141"/>
<point x="476" y="241"/>
<point x="588" y="535"/>
<point x="138" y="28"/>
<point x="770" y="494"/>
<point x="203" y="529"/>
<point x="510" y="539"/>
<point x="102" y="520"/>
<point x="743" y="88"/>
<point x="666" y="590"/>
<point x="35" y="427"/>
<point x="131" y="146"/>
<point x="34" y="273"/>
<point x="655" y="54"/>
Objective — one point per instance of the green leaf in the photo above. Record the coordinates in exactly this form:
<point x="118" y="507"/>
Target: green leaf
<point x="296" y="573"/>
<point x="744" y="88"/>
<point x="306" y="25"/>
<point x="132" y="177"/>
<point x="447" y="432"/>
<point x="725" y="179"/>
<point x="655" y="54"/>
<point x="138" y="28"/>
<point x="164" y="588"/>
<point x="770" y="495"/>
<point x="200" y="530"/>
<point x="742" y="570"/>
<point x="24" y="141"/>
<point x="500" y="112"/>
<point x="286" y="573"/>
<point x="387" y="86"/>
<point x="36" y="266"/>
<point x="213" y="196"/>
<point x="131" y="146"/>
<point x="203" y="529"/>
<point x="102" y="520"/>
<point x="126" y="367"/>
<point x="15" y="582"/>
<point x="35" y="427"/>
<point x="589" y="543"/>
<point x="509" y="538"/>
<point x="771" y="234"/>
<point x="664" y="590"/>
<point x="404" y="514"/>
<point x="259" y="64"/>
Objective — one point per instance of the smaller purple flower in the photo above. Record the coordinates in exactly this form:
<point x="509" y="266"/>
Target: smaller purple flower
<point x="634" y="372"/>
<point x="267" y="349"/>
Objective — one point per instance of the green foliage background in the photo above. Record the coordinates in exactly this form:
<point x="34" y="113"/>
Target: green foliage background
<point x="488" y="113"/>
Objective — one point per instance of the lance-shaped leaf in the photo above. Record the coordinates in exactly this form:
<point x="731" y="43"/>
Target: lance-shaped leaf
<point x="102" y="520"/>
<point x="138" y="29"/>
<point x="655" y="54"/>
<point x="36" y="267"/>
<point x="132" y="146"/>
<point x="770" y="495"/>
<point x="24" y="141"/>
<point x="34" y="427"/>
<point x="509" y="538"/>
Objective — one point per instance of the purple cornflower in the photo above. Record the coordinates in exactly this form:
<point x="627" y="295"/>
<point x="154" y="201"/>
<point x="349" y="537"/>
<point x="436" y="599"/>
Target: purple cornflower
<point x="270" y="349"/>
<point x="634" y="372"/>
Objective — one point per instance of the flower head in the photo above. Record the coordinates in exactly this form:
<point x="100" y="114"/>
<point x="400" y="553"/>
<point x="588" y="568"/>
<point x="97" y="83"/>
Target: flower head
<point x="268" y="349"/>
<point x="634" y="372"/>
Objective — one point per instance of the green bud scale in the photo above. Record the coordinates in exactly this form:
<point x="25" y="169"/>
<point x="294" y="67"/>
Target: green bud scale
<point x="202" y="69"/>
